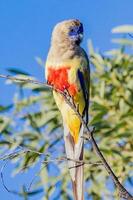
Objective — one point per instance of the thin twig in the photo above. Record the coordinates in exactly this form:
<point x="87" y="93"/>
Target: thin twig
<point x="25" y="80"/>
<point x="27" y="149"/>
<point x="61" y="159"/>
<point x="10" y="156"/>
<point x="35" y="176"/>
<point x="122" y="191"/>
<point x="2" y="179"/>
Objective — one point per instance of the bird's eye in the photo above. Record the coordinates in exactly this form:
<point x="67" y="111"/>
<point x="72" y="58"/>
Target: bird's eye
<point x="72" y="30"/>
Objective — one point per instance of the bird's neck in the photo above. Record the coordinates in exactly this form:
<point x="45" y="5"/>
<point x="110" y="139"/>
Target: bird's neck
<point x="63" y="50"/>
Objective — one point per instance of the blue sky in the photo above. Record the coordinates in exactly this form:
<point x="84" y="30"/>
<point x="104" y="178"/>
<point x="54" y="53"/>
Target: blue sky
<point x="25" y="31"/>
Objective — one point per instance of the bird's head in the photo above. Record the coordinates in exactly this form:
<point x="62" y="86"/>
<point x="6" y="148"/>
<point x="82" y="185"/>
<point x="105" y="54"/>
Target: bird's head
<point x="69" y="30"/>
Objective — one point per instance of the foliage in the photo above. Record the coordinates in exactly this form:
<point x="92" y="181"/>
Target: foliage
<point x="33" y="121"/>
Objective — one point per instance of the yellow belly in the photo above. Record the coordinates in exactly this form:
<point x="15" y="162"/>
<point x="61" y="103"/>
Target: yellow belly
<point x="69" y="116"/>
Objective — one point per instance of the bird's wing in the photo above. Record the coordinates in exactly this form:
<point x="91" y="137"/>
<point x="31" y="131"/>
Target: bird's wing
<point x="84" y="79"/>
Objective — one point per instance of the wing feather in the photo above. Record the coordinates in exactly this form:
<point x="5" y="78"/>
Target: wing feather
<point x="84" y="79"/>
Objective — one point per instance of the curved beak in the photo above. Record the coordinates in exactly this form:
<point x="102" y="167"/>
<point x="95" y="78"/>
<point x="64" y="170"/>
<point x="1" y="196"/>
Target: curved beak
<point x="79" y="38"/>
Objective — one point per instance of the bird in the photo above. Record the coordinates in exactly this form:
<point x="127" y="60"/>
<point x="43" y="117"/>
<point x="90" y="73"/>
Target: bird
<point x="67" y="70"/>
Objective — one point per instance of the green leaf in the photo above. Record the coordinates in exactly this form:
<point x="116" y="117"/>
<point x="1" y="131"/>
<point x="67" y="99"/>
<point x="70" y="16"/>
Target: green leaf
<point x="123" y="42"/>
<point x="5" y="108"/>
<point x="17" y="71"/>
<point x="40" y="61"/>
<point x="97" y="118"/>
<point x="123" y="29"/>
<point x="99" y="107"/>
<point x="35" y="192"/>
<point x="90" y="46"/>
<point x="4" y="123"/>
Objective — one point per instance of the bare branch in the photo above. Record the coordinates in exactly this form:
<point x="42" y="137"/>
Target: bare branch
<point x="25" y="80"/>
<point x="35" y="176"/>
<point x="44" y="163"/>
<point x="28" y="150"/>
<point x="2" y="179"/>
<point x="6" y="187"/>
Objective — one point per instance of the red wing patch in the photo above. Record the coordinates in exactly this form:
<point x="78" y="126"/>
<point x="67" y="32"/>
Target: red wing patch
<point x="59" y="79"/>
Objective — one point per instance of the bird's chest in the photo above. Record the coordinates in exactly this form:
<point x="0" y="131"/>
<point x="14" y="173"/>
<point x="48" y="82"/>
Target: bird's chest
<point x="60" y="79"/>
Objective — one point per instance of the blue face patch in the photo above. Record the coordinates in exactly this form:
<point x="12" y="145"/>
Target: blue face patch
<point x="76" y="30"/>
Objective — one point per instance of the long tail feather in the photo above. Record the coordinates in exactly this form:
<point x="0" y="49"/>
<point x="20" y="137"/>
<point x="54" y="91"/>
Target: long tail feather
<point x="75" y="151"/>
<point x="69" y="147"/>
<point x="78" y="184"/>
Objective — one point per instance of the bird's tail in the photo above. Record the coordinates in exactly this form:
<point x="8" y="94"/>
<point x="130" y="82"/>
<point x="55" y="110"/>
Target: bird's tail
<point x="75" y="153"/>
<point x="77" y="184"/>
